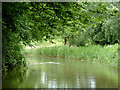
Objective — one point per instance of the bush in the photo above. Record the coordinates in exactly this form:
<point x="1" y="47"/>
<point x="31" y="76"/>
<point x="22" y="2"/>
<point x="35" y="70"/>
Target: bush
<point x="81" y="39"/>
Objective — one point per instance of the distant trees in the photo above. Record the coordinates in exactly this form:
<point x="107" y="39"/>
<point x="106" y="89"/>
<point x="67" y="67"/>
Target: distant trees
<point x="102" y="26"/>
<point x="106" y="32"/>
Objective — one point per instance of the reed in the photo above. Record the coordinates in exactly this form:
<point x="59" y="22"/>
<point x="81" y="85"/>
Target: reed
<point x="106" y="54"/>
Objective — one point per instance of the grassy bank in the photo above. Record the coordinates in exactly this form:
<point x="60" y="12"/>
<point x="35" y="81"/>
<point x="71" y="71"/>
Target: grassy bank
<point x="106" y="54"/>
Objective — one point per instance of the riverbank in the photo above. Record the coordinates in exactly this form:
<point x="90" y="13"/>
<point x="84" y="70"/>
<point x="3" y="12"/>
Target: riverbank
<point x="96" y="53"/>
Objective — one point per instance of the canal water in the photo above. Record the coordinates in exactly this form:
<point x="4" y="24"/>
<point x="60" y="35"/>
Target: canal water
<point x="49" y="72"/>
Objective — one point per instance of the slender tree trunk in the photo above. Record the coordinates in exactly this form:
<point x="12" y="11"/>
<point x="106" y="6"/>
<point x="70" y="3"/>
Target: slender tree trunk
<point x="65" y="39"/>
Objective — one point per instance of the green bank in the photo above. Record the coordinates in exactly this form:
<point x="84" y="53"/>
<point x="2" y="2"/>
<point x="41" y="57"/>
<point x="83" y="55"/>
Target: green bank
<point x="96" y="53"/>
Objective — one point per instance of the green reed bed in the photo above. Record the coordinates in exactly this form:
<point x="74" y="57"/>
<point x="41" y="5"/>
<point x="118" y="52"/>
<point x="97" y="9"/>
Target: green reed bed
<point x="107" y="54"/>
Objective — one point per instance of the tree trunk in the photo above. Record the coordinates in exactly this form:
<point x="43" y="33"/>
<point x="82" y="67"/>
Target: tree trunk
<point x="65" y="41"/>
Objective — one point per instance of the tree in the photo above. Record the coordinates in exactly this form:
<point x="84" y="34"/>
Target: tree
<point x="102" y="26"/>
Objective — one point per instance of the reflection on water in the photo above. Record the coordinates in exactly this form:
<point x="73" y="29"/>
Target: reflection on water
<point x="61" y="73"/>
<point x="92" y="82"/>
<point x="44" y="63"/>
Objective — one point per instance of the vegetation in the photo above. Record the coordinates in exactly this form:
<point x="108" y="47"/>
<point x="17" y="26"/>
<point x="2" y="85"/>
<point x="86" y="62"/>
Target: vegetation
<point x="28" y="22"/>
<point x="103" y="33"/>
<point x="96" y="53"/>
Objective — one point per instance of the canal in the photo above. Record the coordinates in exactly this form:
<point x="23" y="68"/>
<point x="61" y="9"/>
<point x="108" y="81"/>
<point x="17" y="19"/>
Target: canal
<point x="49" y="72"/>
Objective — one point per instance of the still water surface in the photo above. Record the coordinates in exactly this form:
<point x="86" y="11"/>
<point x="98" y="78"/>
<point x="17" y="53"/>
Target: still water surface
<point x="47" y="72"/>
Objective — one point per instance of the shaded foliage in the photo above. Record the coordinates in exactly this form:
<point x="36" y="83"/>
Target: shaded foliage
<point x="11" y="53"/>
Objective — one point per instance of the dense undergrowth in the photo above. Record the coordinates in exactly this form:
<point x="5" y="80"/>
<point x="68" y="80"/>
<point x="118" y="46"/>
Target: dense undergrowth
<point x="96" y="53"/>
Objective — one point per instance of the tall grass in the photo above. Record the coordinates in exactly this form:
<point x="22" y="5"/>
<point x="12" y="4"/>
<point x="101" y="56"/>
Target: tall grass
<point x="106" y="54"/>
